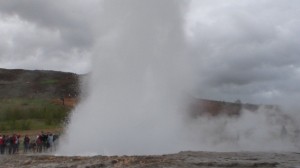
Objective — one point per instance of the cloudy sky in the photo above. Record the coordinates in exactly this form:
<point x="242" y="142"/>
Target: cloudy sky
<point x="246" y="49"/>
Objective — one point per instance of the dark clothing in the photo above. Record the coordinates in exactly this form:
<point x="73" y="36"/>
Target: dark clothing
<point x="26" y="144"/>
<point x="2" y="145"/>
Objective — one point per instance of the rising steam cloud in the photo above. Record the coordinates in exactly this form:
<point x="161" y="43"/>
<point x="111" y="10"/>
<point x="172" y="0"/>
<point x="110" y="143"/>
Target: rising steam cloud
<point x="134" y="104"/>
<point x="136" y="100"/>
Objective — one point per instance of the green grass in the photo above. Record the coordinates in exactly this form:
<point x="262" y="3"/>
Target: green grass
<point x="28" y="114"/>
<point x="49" y="81"/>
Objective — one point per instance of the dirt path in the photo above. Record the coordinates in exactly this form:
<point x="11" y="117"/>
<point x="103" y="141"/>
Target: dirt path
<point x="182" y="160"/>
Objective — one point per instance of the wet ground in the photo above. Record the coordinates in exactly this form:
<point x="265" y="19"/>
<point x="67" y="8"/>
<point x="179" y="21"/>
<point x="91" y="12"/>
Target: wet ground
<point x="182" y="160"/>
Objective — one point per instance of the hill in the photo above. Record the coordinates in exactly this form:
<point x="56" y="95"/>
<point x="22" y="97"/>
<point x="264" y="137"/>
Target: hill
<point x="32" y="100"/>
<point x="53" y="85"/>
<point x="19" y="83"/>
<point x="203" y="107"/>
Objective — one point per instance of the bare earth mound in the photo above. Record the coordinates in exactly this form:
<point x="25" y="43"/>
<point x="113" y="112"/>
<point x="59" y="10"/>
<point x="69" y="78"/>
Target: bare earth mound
<point x="182" y="159"/>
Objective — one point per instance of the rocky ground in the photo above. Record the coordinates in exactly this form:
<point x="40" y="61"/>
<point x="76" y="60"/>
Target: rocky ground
<point x="182" y="160"/>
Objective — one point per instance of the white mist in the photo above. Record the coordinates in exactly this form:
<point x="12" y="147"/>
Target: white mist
<point x="134" y="104"/>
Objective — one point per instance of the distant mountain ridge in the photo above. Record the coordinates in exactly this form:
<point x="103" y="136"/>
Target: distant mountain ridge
<point x="18" y="83"/>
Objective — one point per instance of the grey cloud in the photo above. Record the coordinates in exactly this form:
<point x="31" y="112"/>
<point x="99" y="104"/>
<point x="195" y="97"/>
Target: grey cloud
<point x="246" y="49"/>
<point x="41" y="31"/>
<point x="65" y="17"/>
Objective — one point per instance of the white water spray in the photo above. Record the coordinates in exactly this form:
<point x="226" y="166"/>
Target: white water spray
<point x="134" y="104"/>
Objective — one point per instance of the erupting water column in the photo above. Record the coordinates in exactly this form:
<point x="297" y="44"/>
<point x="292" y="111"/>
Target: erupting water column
<point x="134" y="104"/>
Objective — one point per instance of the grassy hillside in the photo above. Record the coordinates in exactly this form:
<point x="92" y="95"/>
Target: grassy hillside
<point x="27" y="114"/>
<point x="31" y="100"/>
<point x="37" y="84"/>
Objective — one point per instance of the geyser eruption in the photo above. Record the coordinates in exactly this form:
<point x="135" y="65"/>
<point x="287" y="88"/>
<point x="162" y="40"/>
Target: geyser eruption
<point x="136" y="98"/>
<point x="134" y="102"/>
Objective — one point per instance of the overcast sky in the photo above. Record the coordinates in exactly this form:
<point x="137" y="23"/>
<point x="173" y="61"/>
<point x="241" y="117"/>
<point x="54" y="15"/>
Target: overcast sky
<point x="246" y="49"/>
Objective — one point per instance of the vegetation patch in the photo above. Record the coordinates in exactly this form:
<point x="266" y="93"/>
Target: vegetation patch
<point x="27" y="114"/>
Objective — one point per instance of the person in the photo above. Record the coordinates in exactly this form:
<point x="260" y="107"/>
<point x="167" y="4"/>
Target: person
<point x="26" y="143"/>
<point x="44" y="138"/>
<point x="18" y="142"/>
<point x="15" y="142"/>
<point x="50" y="141"/>
<point x="39" y="143"/>
<point x="55" y="140"/>
<point x="2" y="144"/>
<point x="7" y="144"/>
<point x="10" y="143"/>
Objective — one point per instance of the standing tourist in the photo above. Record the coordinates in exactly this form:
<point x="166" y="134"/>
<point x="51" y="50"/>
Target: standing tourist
<point x="26" y="143"/>
<point x="39" y="143"/>
<point x="2" y="144"/>
<point x="50" y="141"/>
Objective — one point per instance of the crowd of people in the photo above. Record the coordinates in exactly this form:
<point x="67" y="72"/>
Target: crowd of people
<point x="43" y="142"/>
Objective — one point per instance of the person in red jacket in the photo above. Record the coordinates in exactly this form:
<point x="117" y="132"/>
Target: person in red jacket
<point x="39" y="143"/>
<point x="2" y="144"/>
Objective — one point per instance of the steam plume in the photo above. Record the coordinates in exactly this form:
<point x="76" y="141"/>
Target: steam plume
<point x="136" y="104"/>
<point x="135" y="85"/>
